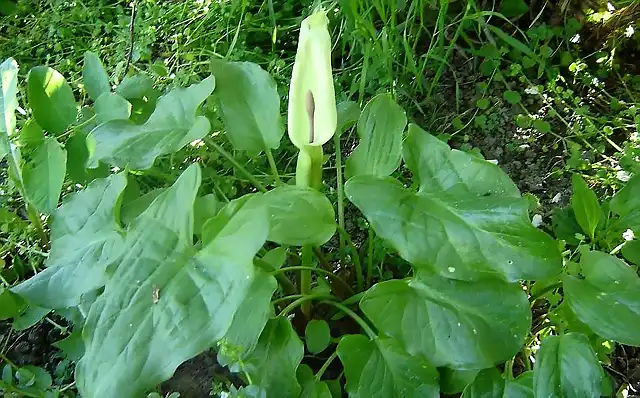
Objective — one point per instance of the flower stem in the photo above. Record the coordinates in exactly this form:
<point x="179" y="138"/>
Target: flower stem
<point x="318" y="270"/>
<point x="340" y="190"/>
<point x="325" y="365"/>
<point x="272" y="165"/>
<point x="305" y="278"/>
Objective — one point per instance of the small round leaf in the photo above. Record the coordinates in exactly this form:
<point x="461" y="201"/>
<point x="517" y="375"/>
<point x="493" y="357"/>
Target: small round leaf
<point x="512" y="97"/>
<point x="542" y="126"/>
<point x="317" y="336"/>
<point x="482" y="103"/>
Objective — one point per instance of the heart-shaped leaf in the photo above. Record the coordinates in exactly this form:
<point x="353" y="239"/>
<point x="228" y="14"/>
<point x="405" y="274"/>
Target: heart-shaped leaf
<point x="249" y="104"/>
<point x="567" y="367"/>
<point x="380" y="129"/>
<point x="51" y="99"/>
<point x="465" y="325"/>
<point x="607" y="299"/>
<point x="467" y="221"/>
<point x="382" y="369"/>
<point x="173" y="124"/>
<point x="85" y="239"/>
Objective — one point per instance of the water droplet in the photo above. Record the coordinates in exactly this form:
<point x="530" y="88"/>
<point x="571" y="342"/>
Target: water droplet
<point x="459" y="324"/>
<point x="451" y="269"/>
<point x="509" y="262"/>
<point x="475" y="331"/>
<point x="616" y="282"/>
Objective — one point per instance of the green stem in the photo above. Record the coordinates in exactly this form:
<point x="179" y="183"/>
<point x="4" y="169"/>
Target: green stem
<point x="283" y="281"/>
<point x="272" y="165"/>
<point x="340" y="190"/>
<point x="321" y="259"/>
<point x="318" y="270"/>
<point x="372" y="335"/>
<point x="370" y="258"/>
<point x="508" y="369"/>
<point x="356" y="258"/>
<point x="286" y="298"/>
<point x="303" y="300"/>
<point x="237" y="165"/>
<point x="325" y="365"/>
<point x="305" y="278"/>
<point x="544" y="291"/>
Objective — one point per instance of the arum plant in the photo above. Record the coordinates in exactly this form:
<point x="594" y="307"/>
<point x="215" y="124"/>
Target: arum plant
<point x="312" y="114"/>
<point x="149" y="281"/>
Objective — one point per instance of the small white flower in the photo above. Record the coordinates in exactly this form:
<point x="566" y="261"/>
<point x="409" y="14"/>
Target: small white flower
<point x="628" y="235"/>
<point x="575" y="39"/>
<point x="629" y="31"/>
<point x="556" y="198"/>
<point x="536" y="220"/>
<point x="533" y="90"/>
<point x="623" y="176"/>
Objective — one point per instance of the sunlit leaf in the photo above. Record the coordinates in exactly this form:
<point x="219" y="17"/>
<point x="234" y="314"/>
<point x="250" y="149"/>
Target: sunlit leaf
<point x="249" y="105"/>
<point x="585" y="206"/>
<point x="111" y="106"/>
<point x="51" y="99"/>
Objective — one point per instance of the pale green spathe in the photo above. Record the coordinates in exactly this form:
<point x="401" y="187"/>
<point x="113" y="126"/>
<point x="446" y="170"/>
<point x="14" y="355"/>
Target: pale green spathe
<point x="312" y="115"/>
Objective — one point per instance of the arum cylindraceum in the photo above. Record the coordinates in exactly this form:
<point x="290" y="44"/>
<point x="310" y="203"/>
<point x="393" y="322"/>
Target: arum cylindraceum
<point x="312" y="115"/>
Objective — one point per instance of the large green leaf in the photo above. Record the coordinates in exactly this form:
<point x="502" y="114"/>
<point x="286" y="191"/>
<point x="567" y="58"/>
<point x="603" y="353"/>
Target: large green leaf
<point x="94" y="77"/>
<point x="166" y="301"/>
<point x="380" y="129"/>
<point x="467" y="221"/>
<point x="8" y="98"/>
<point x="51" y="99"/>
<point x="490" y="384"/>
<point x="249" y="104"/>
<point x="44" y="175"/>
<point x="464" y="325"/>
<point x="272" y="364"/>
<point x="299" y="216"/>
<point x="85" y="239"/>
<point x="567" y="367"/>
<point x="382" y="369"/>
<point x="626" y="204"/>
<point x="173" y="124"/>
<point x="607" y="299"/>
<point x="585" y="206"/>
<point x="248" y="321"/>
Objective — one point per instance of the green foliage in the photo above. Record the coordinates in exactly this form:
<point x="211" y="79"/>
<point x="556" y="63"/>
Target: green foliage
<point x="163" y="248"/>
